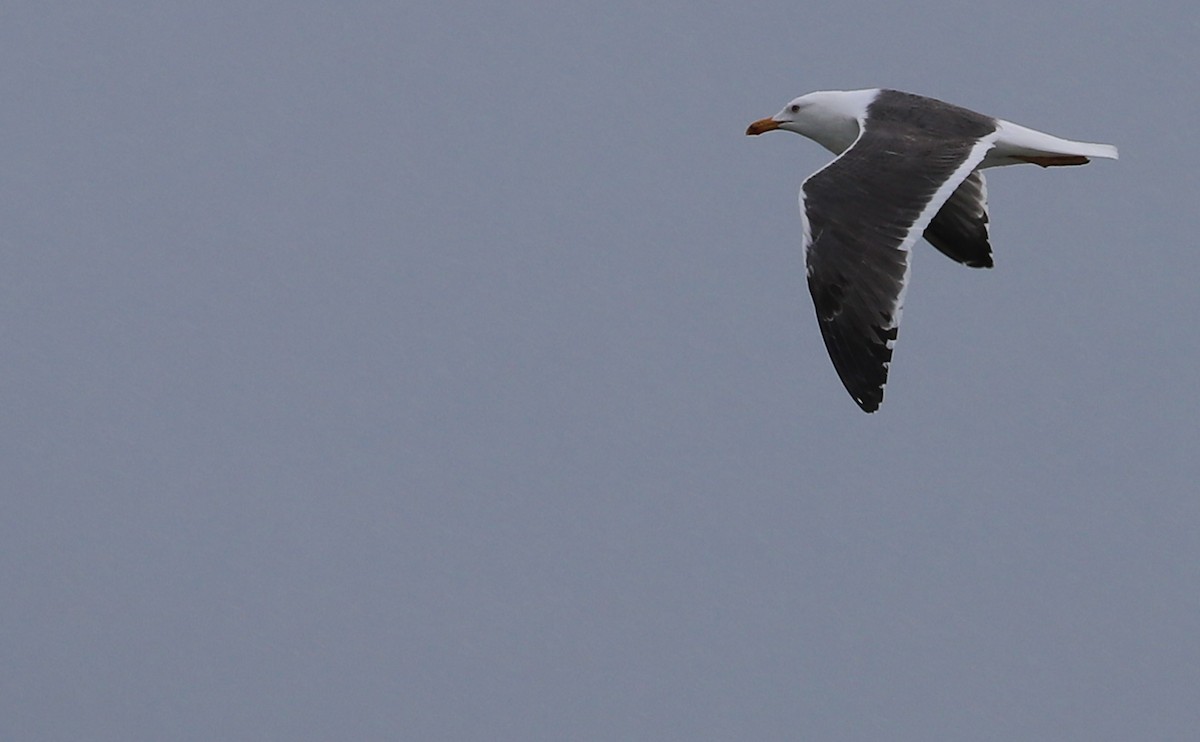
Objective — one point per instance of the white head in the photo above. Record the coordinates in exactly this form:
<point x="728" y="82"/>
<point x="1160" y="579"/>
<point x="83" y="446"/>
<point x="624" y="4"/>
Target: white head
<point x="830" y="118"/>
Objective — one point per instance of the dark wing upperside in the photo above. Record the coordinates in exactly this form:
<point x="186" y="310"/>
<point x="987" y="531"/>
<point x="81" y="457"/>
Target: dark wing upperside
<point x="862" y="214"/>
<point x="959" y="229"/>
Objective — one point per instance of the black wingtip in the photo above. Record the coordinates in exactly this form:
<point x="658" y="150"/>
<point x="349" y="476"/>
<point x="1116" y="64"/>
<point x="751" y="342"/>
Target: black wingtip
<point x="869" y="405"/>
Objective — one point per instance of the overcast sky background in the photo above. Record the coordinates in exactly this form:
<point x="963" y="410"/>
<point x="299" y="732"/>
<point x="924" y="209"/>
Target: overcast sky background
<point x="446" y="371"/>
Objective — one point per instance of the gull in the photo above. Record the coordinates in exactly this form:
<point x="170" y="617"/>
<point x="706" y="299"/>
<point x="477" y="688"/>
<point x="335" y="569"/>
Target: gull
<point x="906" y="166"/>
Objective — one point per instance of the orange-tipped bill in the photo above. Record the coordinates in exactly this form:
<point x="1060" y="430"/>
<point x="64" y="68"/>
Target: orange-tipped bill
<point x="762" y="125"/>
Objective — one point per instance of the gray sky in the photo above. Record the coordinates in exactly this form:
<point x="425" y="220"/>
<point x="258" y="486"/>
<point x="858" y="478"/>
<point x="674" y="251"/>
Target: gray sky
<point x="445" y="371"/>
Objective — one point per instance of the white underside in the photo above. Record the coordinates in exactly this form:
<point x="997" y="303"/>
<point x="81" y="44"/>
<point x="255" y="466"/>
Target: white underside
<point x="1014" y="141"/>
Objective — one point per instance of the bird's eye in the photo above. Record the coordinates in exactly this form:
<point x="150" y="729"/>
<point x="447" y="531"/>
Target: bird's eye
<point x="794" y="108"/>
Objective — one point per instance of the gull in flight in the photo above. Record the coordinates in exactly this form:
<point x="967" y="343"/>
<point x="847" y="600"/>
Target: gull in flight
<point x="907" y="166"/>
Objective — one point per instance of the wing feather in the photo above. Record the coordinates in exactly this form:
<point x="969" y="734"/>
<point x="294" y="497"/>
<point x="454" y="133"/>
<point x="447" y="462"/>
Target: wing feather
<point x="959" y="230"/>
<point x="862" y="213"/>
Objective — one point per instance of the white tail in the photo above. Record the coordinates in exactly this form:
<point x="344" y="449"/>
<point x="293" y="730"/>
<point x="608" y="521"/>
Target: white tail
<point x="1016" y="144"/>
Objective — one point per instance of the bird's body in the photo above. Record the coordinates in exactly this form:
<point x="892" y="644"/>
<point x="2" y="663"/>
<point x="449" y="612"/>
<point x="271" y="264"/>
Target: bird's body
<point x="907" y="166"/>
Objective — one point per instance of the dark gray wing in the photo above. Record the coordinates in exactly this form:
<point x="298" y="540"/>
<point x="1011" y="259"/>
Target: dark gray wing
<point x="863" y="212"/>
<point x="959" y="230"/>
